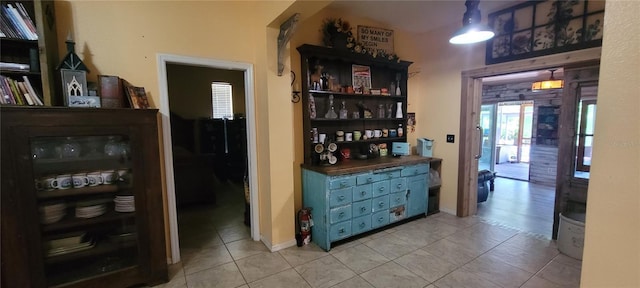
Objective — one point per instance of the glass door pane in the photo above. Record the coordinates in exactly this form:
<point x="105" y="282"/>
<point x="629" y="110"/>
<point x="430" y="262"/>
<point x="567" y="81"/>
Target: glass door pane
<point x="84" y="192"/>
<point x="487" y="124"/>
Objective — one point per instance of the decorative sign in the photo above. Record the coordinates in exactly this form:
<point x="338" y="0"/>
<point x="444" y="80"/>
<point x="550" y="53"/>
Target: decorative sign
<point x="377" y="39"/>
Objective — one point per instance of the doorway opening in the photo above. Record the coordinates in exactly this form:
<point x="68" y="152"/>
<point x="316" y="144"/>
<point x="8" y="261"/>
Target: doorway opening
<point x="191" y="143"/>
<point x="506" y="138"/>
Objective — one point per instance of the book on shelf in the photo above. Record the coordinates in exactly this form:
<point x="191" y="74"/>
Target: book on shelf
<point x="137" y="96"/>
<point x="111" y="92"/>
<point x="17" y="23"/>
<point x="18" y="92"/>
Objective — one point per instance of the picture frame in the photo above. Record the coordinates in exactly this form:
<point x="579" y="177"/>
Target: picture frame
<point x="75" y="90"/>
<point x="361" y="77"/>
<point x="411" y="122"/>
<point x="137" y="96"/>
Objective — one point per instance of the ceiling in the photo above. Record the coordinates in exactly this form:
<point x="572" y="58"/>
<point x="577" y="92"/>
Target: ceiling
<point x="421" y="16"/>
<point x="418" y="16"/>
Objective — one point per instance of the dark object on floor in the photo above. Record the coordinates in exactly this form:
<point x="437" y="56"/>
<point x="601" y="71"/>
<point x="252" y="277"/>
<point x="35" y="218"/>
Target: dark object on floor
<point x="247" y="215"/>
<point x="484" y="176"/>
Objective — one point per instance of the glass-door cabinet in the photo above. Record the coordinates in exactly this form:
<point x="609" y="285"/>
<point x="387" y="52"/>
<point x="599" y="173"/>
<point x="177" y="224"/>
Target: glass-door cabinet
<point x="81" y="198"/>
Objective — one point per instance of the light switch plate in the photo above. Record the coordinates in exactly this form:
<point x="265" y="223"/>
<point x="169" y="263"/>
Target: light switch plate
<point x="451" y="138"/>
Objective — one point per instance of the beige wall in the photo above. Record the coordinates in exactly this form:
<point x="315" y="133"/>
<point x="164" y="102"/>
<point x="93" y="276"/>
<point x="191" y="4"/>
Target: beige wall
<point x="124" y="37"/>
<point x="612" y="244"/>
<point x="190" y="89"/>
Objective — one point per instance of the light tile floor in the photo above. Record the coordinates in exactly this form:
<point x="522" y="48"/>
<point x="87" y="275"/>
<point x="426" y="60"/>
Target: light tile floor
<point x="438" y="251"/>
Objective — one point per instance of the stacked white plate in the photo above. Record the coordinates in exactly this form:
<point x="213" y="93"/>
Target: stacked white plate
<point x="71" y="243"/>
<point x="90" y="211"/>
<point x="124" y="203"/>
<point x="51" y="213"/>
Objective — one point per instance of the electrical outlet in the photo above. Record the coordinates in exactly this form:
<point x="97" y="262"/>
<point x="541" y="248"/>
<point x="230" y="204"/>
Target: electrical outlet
<point x="451" y="138"/>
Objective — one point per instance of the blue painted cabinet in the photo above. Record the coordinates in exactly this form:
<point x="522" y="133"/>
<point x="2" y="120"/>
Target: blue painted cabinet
<point x="349" y="204"/>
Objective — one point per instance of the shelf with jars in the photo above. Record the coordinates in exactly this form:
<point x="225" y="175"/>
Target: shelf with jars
<point x="352" y="100"/>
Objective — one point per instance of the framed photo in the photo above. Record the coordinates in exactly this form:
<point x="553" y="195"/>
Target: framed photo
<point x="361" y="77"/>
<point x="75" y="91"/>
<point x="137" y="96"/>
<point x="411" y="122"/>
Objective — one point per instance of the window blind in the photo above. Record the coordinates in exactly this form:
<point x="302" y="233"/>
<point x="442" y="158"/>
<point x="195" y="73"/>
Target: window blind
<point x="221" y="100"/>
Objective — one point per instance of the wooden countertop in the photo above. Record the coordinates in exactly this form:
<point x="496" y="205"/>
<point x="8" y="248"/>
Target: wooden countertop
<point x="355" y="166"/>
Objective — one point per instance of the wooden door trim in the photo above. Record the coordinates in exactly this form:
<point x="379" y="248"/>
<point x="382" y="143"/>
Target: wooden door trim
<point x="467" y="179"/>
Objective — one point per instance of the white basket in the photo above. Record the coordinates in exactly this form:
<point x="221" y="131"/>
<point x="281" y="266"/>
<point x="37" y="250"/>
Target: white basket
<point x="571" y="235"/>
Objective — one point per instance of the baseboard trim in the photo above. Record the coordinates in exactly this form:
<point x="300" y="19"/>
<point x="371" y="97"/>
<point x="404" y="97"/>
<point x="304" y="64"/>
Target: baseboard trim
<point x="278" y="247"/>
<point x="448" y="211"/>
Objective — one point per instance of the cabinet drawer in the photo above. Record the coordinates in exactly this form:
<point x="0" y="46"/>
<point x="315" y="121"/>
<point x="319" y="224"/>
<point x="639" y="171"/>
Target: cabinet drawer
<point x="387" y="175"/>
<point x="379" y="219"/>
<point x="380" y="203"/>
<point x="415" y="170"/>
<point x="367" y="178"/>
<point x="362" y="192"/>
<point x="340" y="197"/>
<point x="398" y="184"/>
<point x="340" y="214"/>
<point x="361" y="208"/>
<point x="396" y="199"/>
<point x="380" y="188"/>
<point x="340" y="230"/>
<point x="361" y="224"/>
<point x="342" y="182"/>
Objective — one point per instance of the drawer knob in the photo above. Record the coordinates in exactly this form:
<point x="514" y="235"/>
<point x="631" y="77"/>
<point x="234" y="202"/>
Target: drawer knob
<point x="381" y="204"/>
<point x="341" y="197"/>
<point x="381" y="188"/>
<point x="362" y="225"/>
<point x="363" y="193"/>
<point x="399" y="185"/>
<point x="369" y="180"/>
<point x="341" y="215"/>
<point x="363" y="209"/>
<point x="341" y="230"/>
<point x="380" y="219"/>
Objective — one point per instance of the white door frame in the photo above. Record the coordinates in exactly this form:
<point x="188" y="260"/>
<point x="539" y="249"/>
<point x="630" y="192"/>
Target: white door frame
<point x="247" y="68"/>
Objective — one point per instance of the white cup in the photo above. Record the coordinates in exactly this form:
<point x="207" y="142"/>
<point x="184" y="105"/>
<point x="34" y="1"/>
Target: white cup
<point x="95" y="178"/>
<point x="108" y="176"/>
<point x="368" y="133"/>
<point x="63" y="181"/>
<point x="348" y="136"/>
<point x="377" y="133"/>
<point x="80" y="180"/>
<point x="323" y="137"/>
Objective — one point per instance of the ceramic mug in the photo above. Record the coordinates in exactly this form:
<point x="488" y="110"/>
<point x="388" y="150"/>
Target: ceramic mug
<point x="385" y="132"/>
<point x="95" y="178"/>
<point x="348" y="136"/>
<point x="80" y="180"/>
<point x="108" y="176"/>
<point x="322" y="137"/>
<point x="368" y="133"/>
<point x="47" y="183"/>
<point x="356" y="135"/>
<point x="63" y="181"/>
<point x="377" y="133"/>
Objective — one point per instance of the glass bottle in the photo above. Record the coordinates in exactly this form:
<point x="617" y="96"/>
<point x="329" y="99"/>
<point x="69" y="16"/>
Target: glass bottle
<point x="381" y="111"/>
<point x="399" y="110"/>
<point x="389" y="110"/>
<point x="331" y="113"/>
<point x="344" y="114"/>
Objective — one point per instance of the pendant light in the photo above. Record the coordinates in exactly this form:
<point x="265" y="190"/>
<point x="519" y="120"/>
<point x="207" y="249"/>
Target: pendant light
<point x="472" y="31"/>
<point x="552" y="83"/>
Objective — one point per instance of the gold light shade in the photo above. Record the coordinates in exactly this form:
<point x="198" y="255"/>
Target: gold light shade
<point x="552" y="83"/>
<point x="547" y="84"/>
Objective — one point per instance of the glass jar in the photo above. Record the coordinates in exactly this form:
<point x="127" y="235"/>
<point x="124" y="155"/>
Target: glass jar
<point x="70" y="148"/>
<point x="112" y="147"/>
